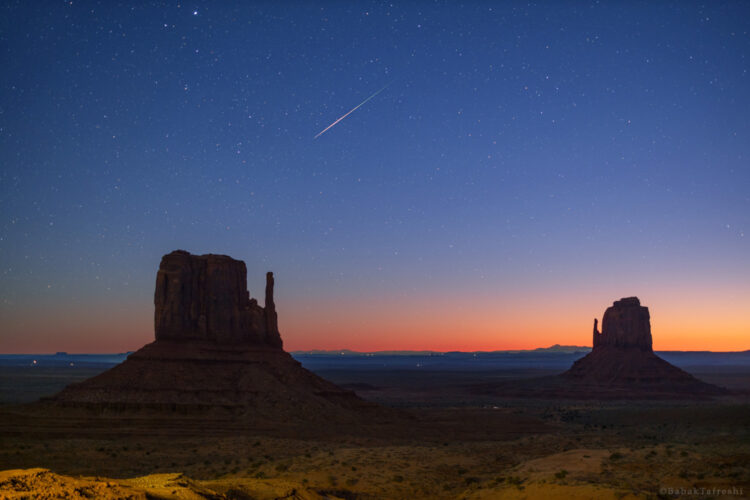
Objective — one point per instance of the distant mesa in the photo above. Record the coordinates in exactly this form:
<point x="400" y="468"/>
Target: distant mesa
<point x="622" y="357"/>
<point x="215" y="347"/>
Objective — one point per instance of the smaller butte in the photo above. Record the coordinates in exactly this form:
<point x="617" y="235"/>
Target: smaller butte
<point x="622" y="358"/>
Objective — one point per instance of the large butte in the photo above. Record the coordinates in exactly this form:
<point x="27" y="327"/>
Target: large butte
<point x="215" y="347"/>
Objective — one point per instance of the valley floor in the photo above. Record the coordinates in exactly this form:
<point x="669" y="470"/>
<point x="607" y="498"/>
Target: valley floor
<point x="451" y="445"/>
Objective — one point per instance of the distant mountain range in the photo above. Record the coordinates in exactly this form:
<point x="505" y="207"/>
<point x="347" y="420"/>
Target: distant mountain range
<point x="348" y="352"/>
<point x="557" y="348"/>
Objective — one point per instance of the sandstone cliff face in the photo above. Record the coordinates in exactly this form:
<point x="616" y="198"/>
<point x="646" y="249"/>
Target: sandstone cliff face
<point x="625" y="324"/>
<point x="622" y="363"/>
<point x="215" y="349"/>
<point x="205" y="297"/>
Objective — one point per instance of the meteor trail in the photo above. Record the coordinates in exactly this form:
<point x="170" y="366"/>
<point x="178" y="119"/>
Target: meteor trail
<point x="350" y="112"/>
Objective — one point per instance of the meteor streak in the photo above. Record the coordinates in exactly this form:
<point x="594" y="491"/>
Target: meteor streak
<point x="350" y="112"/>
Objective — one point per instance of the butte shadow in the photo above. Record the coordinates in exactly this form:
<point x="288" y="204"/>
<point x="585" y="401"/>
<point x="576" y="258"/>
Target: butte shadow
<point x="621" y="365"/>
<point x="216" y="349"/>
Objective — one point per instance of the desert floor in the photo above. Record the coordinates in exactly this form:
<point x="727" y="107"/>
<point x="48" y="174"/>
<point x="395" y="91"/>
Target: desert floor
<point x="446" y="443"/>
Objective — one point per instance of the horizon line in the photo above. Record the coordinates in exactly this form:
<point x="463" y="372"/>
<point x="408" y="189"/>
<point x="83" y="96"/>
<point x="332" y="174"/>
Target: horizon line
<point x="557" y="347"/>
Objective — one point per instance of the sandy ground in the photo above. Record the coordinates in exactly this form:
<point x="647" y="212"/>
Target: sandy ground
<point x="476" y="471"/>
<point x="576" y="451"/>
<point x="451" y="445"/>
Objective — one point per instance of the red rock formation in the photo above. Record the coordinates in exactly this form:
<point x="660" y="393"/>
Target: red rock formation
<point x="626" y="324"/>
<point x="215" y="347"/>
<point x="623" y="358"/>
<point x="205" y="297"/>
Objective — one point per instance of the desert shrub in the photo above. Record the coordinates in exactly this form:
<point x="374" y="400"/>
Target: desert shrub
<point x="561" y="474"/>
<point x="514" y="480"/>
<point x="471" y="480"/>
<point x="462" y="471"/>
<point x="352" y="481"/>
<point x="282" y="468"/>
<point x="616" y="456"/>
<point x="398" y="479"/>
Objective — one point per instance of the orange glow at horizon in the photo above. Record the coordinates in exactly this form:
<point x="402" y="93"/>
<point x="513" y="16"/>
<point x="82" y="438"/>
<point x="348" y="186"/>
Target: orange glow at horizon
<point x="93" y="329"/>
<point x="509" y="324"/>
<point x="485" y="323"/>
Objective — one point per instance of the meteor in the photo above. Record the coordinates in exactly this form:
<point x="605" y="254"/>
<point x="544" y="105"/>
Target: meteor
<point x="355" y="108"/>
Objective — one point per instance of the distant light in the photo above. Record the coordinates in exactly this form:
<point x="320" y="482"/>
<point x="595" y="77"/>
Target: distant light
<point x="71" y="364"/>
<point x="33" y="362"/>
<point x="195" y="12"/>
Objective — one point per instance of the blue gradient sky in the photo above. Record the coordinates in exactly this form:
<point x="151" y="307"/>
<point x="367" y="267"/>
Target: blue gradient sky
<point x="526" y="166"/>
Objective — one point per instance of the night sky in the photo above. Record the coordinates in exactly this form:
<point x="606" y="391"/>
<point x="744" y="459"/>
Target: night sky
<point x="524" y="166"/>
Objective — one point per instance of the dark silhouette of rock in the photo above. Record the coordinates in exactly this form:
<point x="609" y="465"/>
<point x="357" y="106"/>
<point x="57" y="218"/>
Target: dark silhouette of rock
<point x="205" y="297"/>
<point x="621" y="365"/>
<point x="270" y="311"/>
<point x="623" y="358"/>
<point x="626" y="324"/>
<point x="215" y="347"/>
